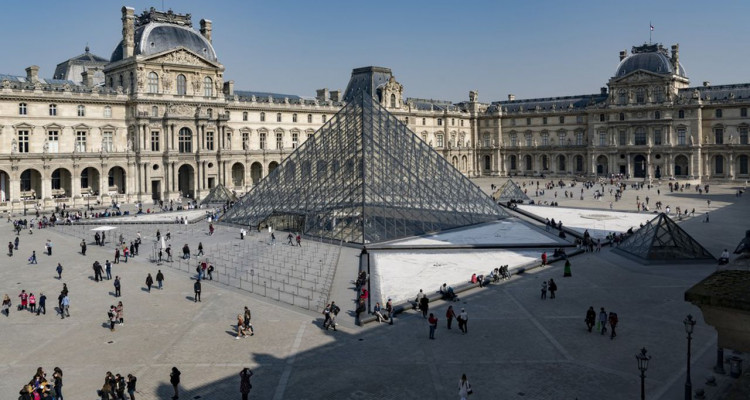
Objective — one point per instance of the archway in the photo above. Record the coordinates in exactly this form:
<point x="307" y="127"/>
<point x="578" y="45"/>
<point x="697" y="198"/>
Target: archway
<point x="579" y="163"/>
<point x="639" y="166"/>
<point x="272" y="166"/>
<point x="561" y="163"/>
<point x="513" y="163"/>
<point x="657" y="172"/>
<point x="31" y="184"/>
<point x="116" y="180"/>
<point x="186" y="181"/>
<point x="719" y="165"/>
<point x="4" y="186"/>
<point x="545" y="163"/>
<point x="454" y="161"/>
<point x="529" y="163"/>
<point x="256" y="172"/>
<point x="464" y="164"/>
<point x="90" y="181"/>
<point x="681" y="166"/>
<point x="742" y="165"/>
<point x="602" y="165"/>
<point x="238" y="175"/>
<point x="61" y="183"/>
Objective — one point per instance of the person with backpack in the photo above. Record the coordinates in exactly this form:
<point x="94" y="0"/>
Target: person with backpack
<point x="612" y="324"/>
<point x="590" y="318"/>
<point x="131" y="386"/>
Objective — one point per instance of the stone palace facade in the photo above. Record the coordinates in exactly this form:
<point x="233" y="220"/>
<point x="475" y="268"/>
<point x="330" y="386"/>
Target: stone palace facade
<point x="158" y="120"/>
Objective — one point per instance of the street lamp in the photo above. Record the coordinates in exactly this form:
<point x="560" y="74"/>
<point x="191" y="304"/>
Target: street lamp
<point x="689" y="324"/>
<point x="643" y="360"/>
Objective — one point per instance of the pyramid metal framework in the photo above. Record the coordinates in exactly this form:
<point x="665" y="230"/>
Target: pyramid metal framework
<point x="364" y="177"/>
<point x="661" y="240"/>
<point x="510" y="191"/>
<point x="219" y="194"/>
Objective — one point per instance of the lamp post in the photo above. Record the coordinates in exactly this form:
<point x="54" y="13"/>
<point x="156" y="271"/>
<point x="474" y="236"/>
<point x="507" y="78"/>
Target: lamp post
<point x="689" y="324"/>
<point x="643" y="360"/>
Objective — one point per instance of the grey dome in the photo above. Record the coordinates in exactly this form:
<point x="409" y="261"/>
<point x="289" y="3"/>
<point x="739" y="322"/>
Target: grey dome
<point x="653" y="61"/>
<point x="154" y="38"/>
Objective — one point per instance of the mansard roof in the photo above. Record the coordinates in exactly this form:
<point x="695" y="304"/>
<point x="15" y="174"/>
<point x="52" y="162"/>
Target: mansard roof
<point x="721" y="92"/>
<point x="551" y="103"/>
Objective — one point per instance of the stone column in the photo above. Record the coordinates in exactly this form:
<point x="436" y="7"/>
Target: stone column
<point x="730" y="159"/>
<point x="629" y="168"/>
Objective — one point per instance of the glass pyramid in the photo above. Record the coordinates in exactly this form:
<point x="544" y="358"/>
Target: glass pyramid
<point x="662" y="240"/>
<point x="219" y="194"/>
<point x="510" y="192"/>
<point x="364" y="177"/>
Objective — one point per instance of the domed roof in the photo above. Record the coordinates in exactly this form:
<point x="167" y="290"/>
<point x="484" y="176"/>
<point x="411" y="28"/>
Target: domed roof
<point x="156" y="37"/>
<point x="651" y="58"/>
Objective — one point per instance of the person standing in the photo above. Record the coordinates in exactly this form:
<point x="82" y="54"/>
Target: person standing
<point x="590" y="318"/>
<point x="424" y="305"/>
<point x="32" y="302"/>
<point x="83" y="247"/>
<point x="159" y="279"/>
<point x="117" y="255"/>
<point x="464" y="318"/>
<point x="149" y="282"/>
<point x="197" y="291"/>
<point x="273" y="239"/>
<point x="57" y="377"/>
<point x="245" y="385"/>
<point x="117" y="286"/>
<point x="299" y="240"/>
<point x="131" y="386"/>
<point x="433" y="324"/>
<point x="552" y="288"/>
<point x="112" y="315"/>
<point x="42" y="306"/>
<point x="108" y="269"/>
<point x="49" y="247"/>
<point x="120" y="313"/>
<point x="15" y="243"/>
<point x="59" y="270"/>
<point x="174" y="379"/>
<point x="6" y="305"/>
<point x="544" y="290"/>
<point x="10" y="249"/>
<point x="200" y="248"/>
<point x="449" y="315"/>
<point x="389" y="309"/>
<point x="327" y="316"/>
<point x="24" y="300"/>
<point x="464" y="388"/>
<point x="612" y="324"/>
<point x="603" y="320"/>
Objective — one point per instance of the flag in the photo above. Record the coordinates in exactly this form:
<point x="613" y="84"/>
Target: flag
<point x="652" y="27"/>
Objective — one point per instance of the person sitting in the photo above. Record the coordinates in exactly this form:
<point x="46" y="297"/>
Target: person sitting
<point x="724" y="258"/>
<point x="480" y="280"/>
<point x="473" y="278"/>
<point x="377" y="311"/>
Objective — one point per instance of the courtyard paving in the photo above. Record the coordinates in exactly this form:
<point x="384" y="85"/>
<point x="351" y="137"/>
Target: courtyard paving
<point x="518" y="346"/>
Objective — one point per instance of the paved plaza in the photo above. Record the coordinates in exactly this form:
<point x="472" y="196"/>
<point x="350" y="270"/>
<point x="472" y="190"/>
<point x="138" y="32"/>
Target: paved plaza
<point x="517" y="345"/>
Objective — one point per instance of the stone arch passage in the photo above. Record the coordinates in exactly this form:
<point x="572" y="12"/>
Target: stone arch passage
<point x="256" y="172"/>
<point x="4" y="186"/>
<point x="272" y="166"/>
<point x="116" y="180"/>
<point x="238" y="175"/>
<point x="31" y="184"/>
<point x="90" y="181"/>
<point x="681" y="166"/>
<point x="639" y="166"/>
<point x="62" y="184"/>
<point x="602" y="165"/>
<point x="186" y="181"/>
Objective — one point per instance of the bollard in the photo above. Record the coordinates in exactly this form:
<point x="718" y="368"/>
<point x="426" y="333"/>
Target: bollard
<point x="735" y="367"/>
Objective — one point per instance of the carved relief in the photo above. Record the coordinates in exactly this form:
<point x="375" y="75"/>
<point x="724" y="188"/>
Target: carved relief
<point x="166" y="81"/>
<point x="183" y="57"/>
<point x="180" y="109"/>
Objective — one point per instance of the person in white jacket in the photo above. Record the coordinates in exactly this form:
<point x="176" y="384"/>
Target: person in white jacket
<point x="464" y="388"/>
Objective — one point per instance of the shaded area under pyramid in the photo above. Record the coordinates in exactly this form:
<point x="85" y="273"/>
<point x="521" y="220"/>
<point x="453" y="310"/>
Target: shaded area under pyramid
<point x="661" y="240"/>
<point x="364" y="177"/>
<point x="219" y="194"/>
<point x="510" y="192"/>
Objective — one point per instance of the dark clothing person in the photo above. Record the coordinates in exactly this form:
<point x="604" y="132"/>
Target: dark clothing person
<point x="245" y="385"/>
<point x="117" y="286"/>
<point x="197" y="290"/>
<point x="174" y="379"/>
<point x="42" y="305"/>
<point x="149" y="282"/>
<point x="590" y="318"/>
<point x="131" y="386"/>
<point x="552" y="288"/>
<point x="424" y="305"/>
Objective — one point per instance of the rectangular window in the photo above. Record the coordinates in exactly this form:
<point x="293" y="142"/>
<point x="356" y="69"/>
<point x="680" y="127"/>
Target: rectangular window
<point x="53" y="141"/>
<point x="681" y="137"/>
<point x="743" y="112"/>
<point x="528" y="140"/>
<point x="154" y="140"/>
<point x="324" y="118"/>
<point x="528" y="121"/>
<point x="81" y="111"/>
<point x="209" y="140"/>
<point x="719" y="135"/>
<point x="657" y="137"/>
<point x="107" y="112"/>
<point x="719" y="113"/>
<point x="278" y="117"/>
<point x="244" y="116"/>
<point x="245" y="140"/>
<point x="439" y="140"/>
<point x="52" y="110"/>
<point x="743" y="135"/>
<point x="487" y="141"/>
<point x="623" y="138"/>
<point x="544" y="120"/>
<point x="561" y="138"/>
<point x="453" y="121"/>
<point x="262" y="140"/>
<point x="513" y="140"/>
<point x="81" y="141"/>
<point x="294" y="117"/>
<point x="462" y="122"/>
<point x="295" y="140"/>
<point x="545" y="140"/>
<point x="602" y="139"/>
<point x="23" y="141"/>
<point x="640" y="137"/>
<point x="279" y="140"/>
<point x="107" y="141"/>
<point x="440" y="121"/>
<point x="579" y="138"/>
<point x="562" y="119"/>
<point x="579" y="119"/>
<point x="22" y="109"/>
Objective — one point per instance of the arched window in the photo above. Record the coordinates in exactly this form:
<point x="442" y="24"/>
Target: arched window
<point x="393" y="101"/>
<point x="52" y="110"/>
<point x="154" y="111"/>
<point x="244" y="116"/>
<point x="181" y="85"/>
<point x="22" y="109"/>
<point x="294" y="117"/>
<point x="120" y="81"/>
<point x="513" y="139"/>
<point x="153" y="82"/>
<point x="309" y="118"/>
<point x="719" y="135"/>
<point x="107" y="112"/>
<point x="262" y="117"/>
<point x="278" y="117"/>
<point x="681" y="114"/>
<point x="640" y="96"/>
<point x="210" y="112"/>
<point x="208" y="87"/>
<point x="185" y="141"/>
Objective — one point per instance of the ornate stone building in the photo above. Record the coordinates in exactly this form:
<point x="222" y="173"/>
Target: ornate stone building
<point x="158" y="120"/>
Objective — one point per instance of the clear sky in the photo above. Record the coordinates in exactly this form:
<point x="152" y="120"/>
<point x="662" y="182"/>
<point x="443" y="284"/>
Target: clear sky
<point x="436" y="49"/>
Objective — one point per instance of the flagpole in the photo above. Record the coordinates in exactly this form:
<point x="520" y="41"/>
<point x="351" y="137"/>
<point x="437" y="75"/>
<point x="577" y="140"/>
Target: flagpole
<point x="650" y="31"/>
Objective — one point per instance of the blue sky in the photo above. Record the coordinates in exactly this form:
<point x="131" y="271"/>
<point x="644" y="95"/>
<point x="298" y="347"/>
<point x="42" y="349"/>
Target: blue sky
<point x="437" y="49"/>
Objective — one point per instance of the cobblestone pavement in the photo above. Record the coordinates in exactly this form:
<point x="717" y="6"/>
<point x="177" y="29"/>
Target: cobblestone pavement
<point x="518" y="346"/>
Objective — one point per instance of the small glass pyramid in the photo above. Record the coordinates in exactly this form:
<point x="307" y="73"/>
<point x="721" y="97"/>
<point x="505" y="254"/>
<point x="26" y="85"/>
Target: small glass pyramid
<point x="219" y="194"/>
<point x="662" y="240"/>
<point x="510" y="192"/>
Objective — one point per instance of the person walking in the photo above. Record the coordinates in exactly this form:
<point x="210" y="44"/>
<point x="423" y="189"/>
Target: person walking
<point x="449" y="315"/>
<point x="117" y="286"/>
<point x="6" y="305"/>
<point x="59" y="270"/>
<point x="544" y="290"/>
<point x="120" y="313"/>
<point x="289" y="239"/>
<point x="590" y="318"/>
<point x="464" y="318"/>
<point x="603" y="320"/>
<point x="248" y="325"/>
<point x="83" y="247"/>
<point x="10" y="249"/>
<point x="15" y="243"/>
<point x="149" y="282"/>
<point x="464" y="388"/>
<point x="197" y="291"/>
<point x="32" y="259"/>
<point x="552" y="288"/>
<point x="159" y="279"/>
<point x="424" y="305"/>
<point x="108" y="269"/>
<point x="433" y="324"/>
<point x="245" y="385"/>
<point x="42" y="304"/>
<point x="131" y="386"/>
<point x="389" y="309"/>
<point x="200" y="248"/>
<point x="174" y="379"/>
<point x="299" y="240"/>
<point x="57" y="377"/>
<point x="273" y="239"/>
<point x="117" y="255"/>
<point x="112" y="316"/>
<point x="612" y="324"/>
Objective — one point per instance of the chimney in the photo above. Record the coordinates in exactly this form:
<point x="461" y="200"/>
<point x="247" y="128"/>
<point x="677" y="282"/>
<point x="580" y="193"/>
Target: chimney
<point x="705" y="83"/>
<point x="32" y="74"/>
<point x="604" y="90"/>
<point x="206" y="29"/>
<point x="128" y="32"/>
<point x="675" y="55"/>
<point x="229" y="88"/>
<point x="322" y="94"/>
<point x="623" y="54"/>
<point x="335" y="96"/>
<point x="88" y="77"/>
<point x="511" y="97"/>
